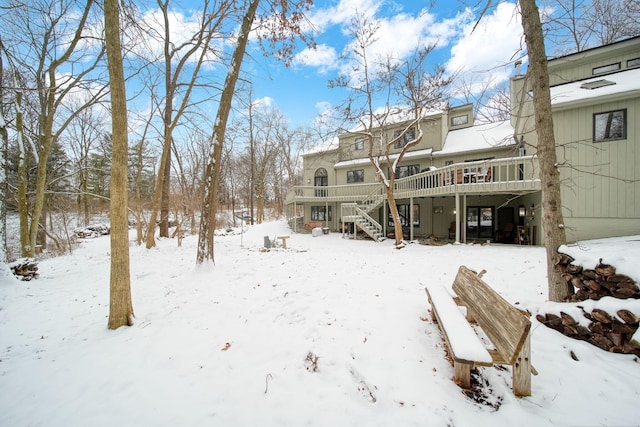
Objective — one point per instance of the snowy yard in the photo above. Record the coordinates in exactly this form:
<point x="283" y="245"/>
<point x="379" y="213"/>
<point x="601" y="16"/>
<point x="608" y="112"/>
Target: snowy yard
<point x="330" y="332"/>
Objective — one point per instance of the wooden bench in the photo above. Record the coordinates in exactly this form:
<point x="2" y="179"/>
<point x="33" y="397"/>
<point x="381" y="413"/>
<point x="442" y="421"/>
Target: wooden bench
<point x="283" y="239"/>
<point x="313" y="224"/>
<point x="507" y="328"/>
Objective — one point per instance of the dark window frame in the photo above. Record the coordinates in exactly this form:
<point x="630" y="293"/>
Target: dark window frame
<point x="410" y="135"/>
<point x="460" y="120"/>
<point x="319" y="213"/>
<point x="604" y="69"/>
<point x="404" y="212"/>
<point x="355" y="176"/>
<point x="607" y="131"/>
<point x="632" y="63"/>
<point x="408" y="171"/>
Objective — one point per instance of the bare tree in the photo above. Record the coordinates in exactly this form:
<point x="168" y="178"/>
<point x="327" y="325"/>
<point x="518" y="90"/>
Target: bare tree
<point x="212" y="174"/>
<point x="279" y="26"/>
<point x="181" y="58"/>
<point x="4" y="144"/>
<point x="576" y="25"/>
<point x="45" y="45"/>
<point x="552" y="219"/>
<point x="84" y="134"/>
<point x="120" y="305"/>
<point x="491" y="103"/>
<point x="407" y="92"/>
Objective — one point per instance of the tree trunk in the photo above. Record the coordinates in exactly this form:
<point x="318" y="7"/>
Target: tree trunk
<point x="397" y="225"/>
<point x="4" y="143"/>
<point x="120" y="305"/>
<point x="552" y="220"/>
<point x="166" y="185"/>
<point x="23" y="207"/>
<point x="212" y="177"/>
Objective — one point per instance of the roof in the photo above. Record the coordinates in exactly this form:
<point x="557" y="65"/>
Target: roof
<point x="416" y="154"/>
<point x="611" y="85"/>
<point x="478" y="138"/>
<point x="323" y="147"/>
<point x="630" y="40"/>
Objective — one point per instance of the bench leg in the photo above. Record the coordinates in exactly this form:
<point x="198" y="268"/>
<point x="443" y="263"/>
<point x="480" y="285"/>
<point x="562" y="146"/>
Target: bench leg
<point x="522" y="370"/>
<point x="462" y="374"/>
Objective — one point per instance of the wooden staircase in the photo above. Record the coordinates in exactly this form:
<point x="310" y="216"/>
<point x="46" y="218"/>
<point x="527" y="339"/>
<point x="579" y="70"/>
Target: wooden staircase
<point x="358" y="213"/>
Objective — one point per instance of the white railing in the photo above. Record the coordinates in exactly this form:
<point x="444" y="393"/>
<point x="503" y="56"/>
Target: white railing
<point x="334" y="193"/>
<point x="486" y="176"/>
<point x="507" y="174"/>
<point x="352" y="212"/>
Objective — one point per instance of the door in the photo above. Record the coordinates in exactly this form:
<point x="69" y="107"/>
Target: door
<point x="480" y="221"/>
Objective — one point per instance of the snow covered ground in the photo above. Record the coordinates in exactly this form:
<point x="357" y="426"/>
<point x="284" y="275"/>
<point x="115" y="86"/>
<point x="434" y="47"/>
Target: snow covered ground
<point x="330" y="331"/>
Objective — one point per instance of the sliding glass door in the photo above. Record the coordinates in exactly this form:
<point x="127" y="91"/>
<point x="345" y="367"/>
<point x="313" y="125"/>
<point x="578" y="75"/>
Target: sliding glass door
<point x="480" y="222"/>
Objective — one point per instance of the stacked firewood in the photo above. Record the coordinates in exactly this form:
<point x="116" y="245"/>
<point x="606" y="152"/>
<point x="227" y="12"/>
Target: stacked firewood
<point x="598" y="282"/>
<point x="616" y="332"/>
<point x="25" y="269"/>
<point x="610" y="333"/>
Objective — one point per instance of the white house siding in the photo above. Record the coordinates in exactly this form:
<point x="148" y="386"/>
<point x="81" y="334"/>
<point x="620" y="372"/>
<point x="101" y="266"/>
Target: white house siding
<point x="600" y="181"/>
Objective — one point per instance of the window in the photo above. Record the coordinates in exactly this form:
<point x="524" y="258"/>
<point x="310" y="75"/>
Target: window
<point x="320" y="213"/>
<point x="321" y="179"/>
<point x="633" y="63"/>
<point x="405" y="215"/>
<point x="610" y="125"/>
<point x="459" y="120"/>
<point x="448" y="162"/>
<point x="606" y="68"/>
<point x="404" y="171"/>
<point x="409" y="135"/>
<point x="355" y="176"/>
<point x="359" y="144"/>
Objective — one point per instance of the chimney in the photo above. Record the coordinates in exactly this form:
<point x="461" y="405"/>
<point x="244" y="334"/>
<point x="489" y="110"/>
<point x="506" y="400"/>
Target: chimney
<point x="518" y="65"/>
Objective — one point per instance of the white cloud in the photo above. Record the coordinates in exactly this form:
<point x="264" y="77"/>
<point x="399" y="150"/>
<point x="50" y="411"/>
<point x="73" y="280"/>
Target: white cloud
<point x="344" y="12"/>
<point x="323" y="57"/>
<point x="264" y="102"/>
<point x="149" y="43"/>
<point x="491" y="47"/>
<point x="401" y="34"/>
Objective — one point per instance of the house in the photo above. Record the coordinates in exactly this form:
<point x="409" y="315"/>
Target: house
<point x="595" y="96"/>
<point x="480" y="182"/>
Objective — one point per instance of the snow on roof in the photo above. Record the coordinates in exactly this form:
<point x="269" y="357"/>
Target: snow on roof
<point x="323" y="147"/>
<point x="605" y="85"/>
<point x="476" y="138"/>
<point x="392" y="117"/>
<point x="408" y="155"/>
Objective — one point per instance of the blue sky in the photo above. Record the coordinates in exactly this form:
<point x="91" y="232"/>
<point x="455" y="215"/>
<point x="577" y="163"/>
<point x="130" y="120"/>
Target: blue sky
<point x="301" y="91"/>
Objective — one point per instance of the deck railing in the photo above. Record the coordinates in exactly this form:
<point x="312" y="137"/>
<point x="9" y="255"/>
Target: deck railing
<point x="503" y="175"/>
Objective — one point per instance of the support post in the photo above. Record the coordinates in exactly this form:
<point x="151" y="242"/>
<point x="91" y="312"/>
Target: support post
<point x="522" y="370"/>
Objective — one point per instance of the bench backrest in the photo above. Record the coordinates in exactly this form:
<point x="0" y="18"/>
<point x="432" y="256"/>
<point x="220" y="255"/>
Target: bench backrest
<point x="506" y="326"/>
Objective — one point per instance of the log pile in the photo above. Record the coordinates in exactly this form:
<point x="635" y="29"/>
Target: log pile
<point x="25" y="269"/>
<point x="598" y="282"/>
<point x="610" y="333"/>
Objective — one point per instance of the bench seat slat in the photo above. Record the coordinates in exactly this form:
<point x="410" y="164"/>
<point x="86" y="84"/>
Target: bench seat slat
<point x="464" y="344"/>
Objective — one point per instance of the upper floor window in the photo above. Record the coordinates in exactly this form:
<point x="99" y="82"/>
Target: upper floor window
<point x="459" y="120"/>
<point x="635" y="62"/>
<point x="355" y="176"/>
<point x="610" y="125"/>
<point x="359" y="144"/>
<point x="605" y="68"/>
<point x="404" y="171"/>
<point x="409" y="135"/>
